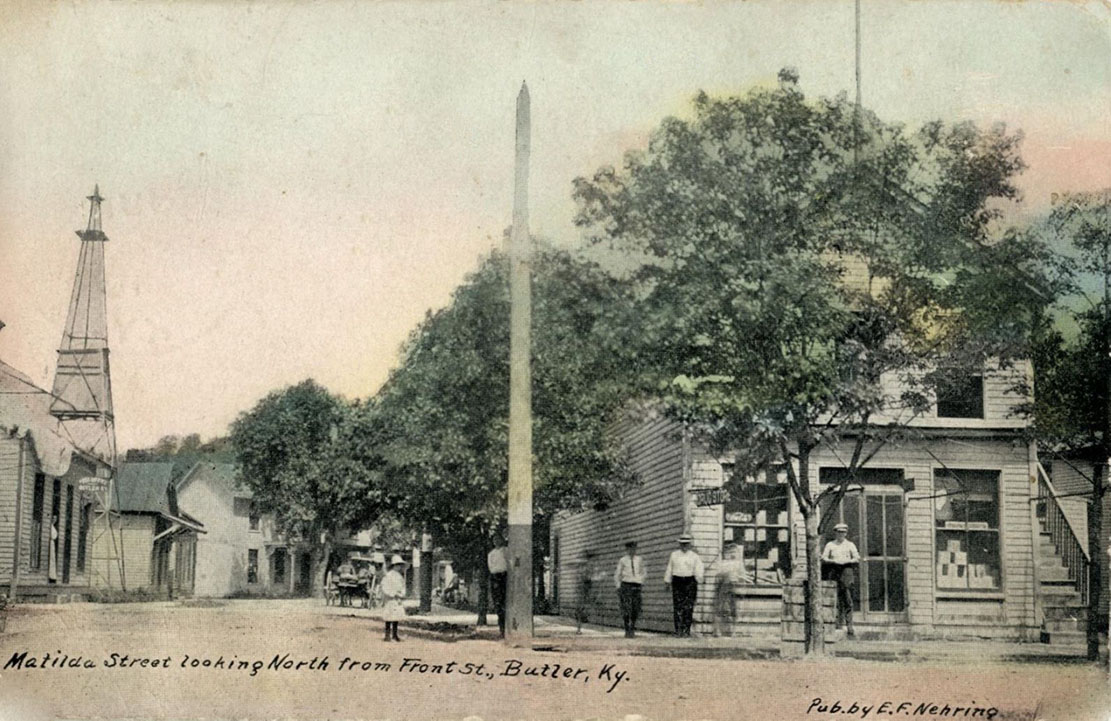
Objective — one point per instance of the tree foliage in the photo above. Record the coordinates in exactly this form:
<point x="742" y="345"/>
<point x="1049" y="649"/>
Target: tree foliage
<point x="800" y="252"/>
<point x="291" y="450"/>
<point x="437" y="433"/>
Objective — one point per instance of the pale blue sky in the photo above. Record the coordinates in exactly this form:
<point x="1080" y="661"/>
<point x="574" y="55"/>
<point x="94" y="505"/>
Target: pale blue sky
<point x="290" y="186"/>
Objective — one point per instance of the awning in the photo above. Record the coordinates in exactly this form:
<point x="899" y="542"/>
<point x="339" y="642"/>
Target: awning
<point x="179" y="525"/>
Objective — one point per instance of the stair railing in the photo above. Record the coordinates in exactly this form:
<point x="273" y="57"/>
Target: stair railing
<point x="1064" y="537"/>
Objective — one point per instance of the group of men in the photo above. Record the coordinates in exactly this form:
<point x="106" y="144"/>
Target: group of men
<point x="685" y="571"/>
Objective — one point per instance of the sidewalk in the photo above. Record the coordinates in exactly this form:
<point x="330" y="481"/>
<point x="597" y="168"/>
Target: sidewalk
<point x="556" y="633"/>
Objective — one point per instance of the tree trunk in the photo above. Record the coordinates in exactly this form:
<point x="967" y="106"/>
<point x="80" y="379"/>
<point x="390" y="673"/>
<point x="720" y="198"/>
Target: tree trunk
<point x="483" y="584"/>
<point x="321" y="556"/>
<point x="1096" y="622"/>
<point x="1096" y="551"/>
<point x="815" y="629"/>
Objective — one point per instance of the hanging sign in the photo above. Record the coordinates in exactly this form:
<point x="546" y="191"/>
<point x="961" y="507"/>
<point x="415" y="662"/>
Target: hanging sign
<point x="709" y="496"/>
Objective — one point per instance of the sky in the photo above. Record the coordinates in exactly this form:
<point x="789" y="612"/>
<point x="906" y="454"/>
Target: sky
<point x="291" y="186"/>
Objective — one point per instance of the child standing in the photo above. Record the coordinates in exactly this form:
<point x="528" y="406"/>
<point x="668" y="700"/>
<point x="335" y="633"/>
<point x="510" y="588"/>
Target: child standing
<point x="393" y="590"/>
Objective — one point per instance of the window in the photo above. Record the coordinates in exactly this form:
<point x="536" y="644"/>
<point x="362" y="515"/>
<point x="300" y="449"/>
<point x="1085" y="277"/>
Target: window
<point x="966" y="518"/>
<point x="253" y="517"/>
<point x="83" y="536"/>
<point x="278" y="576"/>
<point x="756" y="517"/>
<point x="252" y="565"/>
<point x="36" y="521"/>
<point x="961" y="397"/>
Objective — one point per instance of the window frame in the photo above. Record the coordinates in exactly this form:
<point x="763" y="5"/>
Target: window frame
<point x="982" y="403"/>
<point x="782" y="566"/>
<point x="968" y="590"/>
<point x="252" y="566"/>
<point x="38" y="506"/>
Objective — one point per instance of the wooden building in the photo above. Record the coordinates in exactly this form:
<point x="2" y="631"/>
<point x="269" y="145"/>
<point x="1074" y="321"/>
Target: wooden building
<point x="156" y="539"/>
<point x="241" y="552"/>
<point x="944" y="519"/>
<point x="45" y="518"/>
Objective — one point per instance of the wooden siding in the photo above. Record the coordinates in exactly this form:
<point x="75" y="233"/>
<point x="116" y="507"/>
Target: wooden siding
<point x="930" y="609"/>
<point x="1070" y="479"/>
<point x="9" y="479"/>
<point x="222" y="551"/>
<point x="1002" y="402"/>
<point x="652" y="514"/>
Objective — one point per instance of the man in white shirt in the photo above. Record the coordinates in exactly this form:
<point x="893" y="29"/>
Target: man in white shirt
<point x="842" y="558"/>
<point x="684" y="573"/>
<point x="730" y="569"/>
<point x="498" y="565"/>
<point x="629" y="580"/>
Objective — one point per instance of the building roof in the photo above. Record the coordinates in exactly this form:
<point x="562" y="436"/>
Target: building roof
<point x="224" y="474"/>
<point x="27" y="407"/>
<point x="142" y="487"/>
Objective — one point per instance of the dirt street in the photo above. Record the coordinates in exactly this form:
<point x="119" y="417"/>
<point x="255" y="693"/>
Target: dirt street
<point x="294" y="659"/>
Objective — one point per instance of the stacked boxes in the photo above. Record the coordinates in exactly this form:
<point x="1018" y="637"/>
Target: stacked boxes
<point x="954" y="570"/>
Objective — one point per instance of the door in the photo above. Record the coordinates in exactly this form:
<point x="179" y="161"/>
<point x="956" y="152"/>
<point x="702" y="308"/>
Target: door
<point x="874" y="511"/>
<point x="67" y="546"/>
<point x="304" y="579"/>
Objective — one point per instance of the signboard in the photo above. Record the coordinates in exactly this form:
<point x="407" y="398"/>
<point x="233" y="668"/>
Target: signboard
<point x="710" y="496"/>
<point x="92" y="484"/>
<point x="967" y="526"/>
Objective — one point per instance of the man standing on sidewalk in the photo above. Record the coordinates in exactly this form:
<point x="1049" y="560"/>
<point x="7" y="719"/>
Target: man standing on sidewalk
<point x="842" y="557"/>
<point x="629" y="579"/>
<point x="684" y="573"/>
<point x="498" y="565"/>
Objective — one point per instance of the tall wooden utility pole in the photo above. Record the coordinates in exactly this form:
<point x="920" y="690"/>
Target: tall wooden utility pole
<point x="518" y="622"/>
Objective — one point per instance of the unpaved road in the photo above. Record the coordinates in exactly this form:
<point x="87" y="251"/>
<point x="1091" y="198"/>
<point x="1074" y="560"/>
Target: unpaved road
<point x="219" y="663"/>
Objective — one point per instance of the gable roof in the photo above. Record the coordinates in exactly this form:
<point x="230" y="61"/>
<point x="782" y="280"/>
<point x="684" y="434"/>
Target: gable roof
<point x="27" y="407"/>
<point x="223" y="474"/>
<point x="142" y="487"/>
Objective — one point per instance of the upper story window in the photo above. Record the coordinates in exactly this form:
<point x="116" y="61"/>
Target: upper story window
<point x="246" y="507"/>
<point x="962" y="397"/>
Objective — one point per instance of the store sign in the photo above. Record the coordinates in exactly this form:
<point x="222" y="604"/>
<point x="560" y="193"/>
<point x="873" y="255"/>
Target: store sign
<point x="92" y="484"/>
<point x="710" y="496"/>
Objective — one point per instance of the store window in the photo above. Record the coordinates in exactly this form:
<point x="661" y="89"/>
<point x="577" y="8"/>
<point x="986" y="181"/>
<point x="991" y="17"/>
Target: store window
<point x="252" y="565"/>
<point x="757" y="518"/>
<point x="966" y="517"/>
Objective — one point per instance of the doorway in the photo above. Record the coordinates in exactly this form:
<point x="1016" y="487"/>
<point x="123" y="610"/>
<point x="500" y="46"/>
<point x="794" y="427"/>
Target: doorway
<point x="304" y="577"/>
<point x="873" y="509"/>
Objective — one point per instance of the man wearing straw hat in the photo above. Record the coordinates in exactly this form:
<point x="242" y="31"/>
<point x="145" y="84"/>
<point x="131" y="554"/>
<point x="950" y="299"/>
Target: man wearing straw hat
<point x="393" y="590"/>
<point x="684" y="573"/>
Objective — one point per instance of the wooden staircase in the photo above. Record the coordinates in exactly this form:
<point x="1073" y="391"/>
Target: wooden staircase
<point x="1064" y="610"/>
<point x="1062" y="571"/>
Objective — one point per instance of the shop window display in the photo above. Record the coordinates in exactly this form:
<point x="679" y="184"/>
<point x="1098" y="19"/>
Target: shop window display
<point x="757" y="518"/>
<point x="966" y="518"/>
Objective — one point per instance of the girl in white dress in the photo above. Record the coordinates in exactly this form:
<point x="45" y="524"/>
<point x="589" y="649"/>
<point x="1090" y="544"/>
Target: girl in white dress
<point x="393" y="590"/>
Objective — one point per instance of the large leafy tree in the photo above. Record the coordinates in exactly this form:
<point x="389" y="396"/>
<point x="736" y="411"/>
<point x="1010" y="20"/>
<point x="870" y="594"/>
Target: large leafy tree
<point x="795" y="253"/>
<point x="437" y="433"/>
<point x="1073" y="368"/>
<point x="292" y="453"/>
